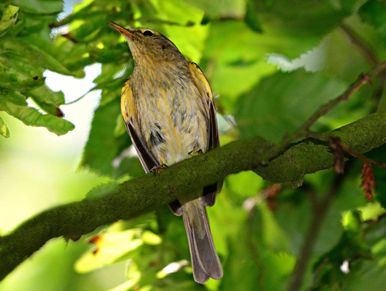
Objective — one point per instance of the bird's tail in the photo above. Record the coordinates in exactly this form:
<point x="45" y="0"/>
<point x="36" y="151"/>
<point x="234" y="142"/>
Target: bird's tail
<point x="205" y="261"/>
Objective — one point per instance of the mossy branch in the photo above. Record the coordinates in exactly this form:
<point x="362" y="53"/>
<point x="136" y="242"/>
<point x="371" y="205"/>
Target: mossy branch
<point x="184" y="181"/>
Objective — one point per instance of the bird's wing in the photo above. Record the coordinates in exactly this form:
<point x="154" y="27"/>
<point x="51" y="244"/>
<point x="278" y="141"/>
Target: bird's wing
<point x="206" y="93"/>
<point x="129" y="113"/>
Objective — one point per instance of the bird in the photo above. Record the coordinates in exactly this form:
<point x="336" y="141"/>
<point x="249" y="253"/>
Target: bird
<point x="169" y="112"/>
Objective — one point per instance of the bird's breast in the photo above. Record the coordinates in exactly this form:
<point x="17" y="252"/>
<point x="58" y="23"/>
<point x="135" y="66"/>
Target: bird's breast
<point x="171" y="116"/>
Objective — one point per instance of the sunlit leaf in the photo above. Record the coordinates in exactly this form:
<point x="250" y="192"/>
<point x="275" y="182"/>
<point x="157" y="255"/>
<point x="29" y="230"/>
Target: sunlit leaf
<point x="371" y="211"/>
<point x="135" y="275"/>
<point x="4" y="131"/>
<point x="31" y="116"/>
<point x="221" y="8"/>
<point x="151" y="238"/>
<point x="43" y="94"/>
<point x="109" y="247"/>
<point x="8" y="18"/>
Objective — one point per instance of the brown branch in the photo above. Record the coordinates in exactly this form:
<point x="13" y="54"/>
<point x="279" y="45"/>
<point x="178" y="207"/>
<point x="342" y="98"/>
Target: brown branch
<point x="319" y="214"/>
<point x="361" y="157"/>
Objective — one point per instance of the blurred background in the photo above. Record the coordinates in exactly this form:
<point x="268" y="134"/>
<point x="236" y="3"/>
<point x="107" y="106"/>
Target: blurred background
<point x="270" y="63"/>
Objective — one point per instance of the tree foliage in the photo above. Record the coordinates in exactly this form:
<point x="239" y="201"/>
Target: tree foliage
<point x="271" y="64"/>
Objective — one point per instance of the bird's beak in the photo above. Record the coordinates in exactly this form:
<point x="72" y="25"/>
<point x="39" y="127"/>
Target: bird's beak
<point x="128" y="33"/>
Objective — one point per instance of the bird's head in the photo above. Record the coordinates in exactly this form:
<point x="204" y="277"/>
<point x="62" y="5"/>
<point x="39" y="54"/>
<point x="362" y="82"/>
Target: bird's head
<point x="149" y="46"/>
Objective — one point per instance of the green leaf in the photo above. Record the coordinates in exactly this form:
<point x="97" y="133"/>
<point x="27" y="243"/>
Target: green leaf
<point x="298" y="25"/>
<point x="382" y="102"/>
<point x="374" y="13"/>
<point x="41" y="57"/>
<point x="235" y="54"/>
<point x="21" y="50"/>
<point x="40" y="6"/>
<point x="244" y="184"/>
<point x="379" y="154"/>
<point x="129" y="166"/>
<point x="372" y="211"/>
<point x="181" y="35"/>
<point x="251" y="17"/>
<point x="13" y="96"/>
<point x="102" y="146"/>
<point x="4" y="131"/>
<point x="363" y="247"/>
<point x="110" y="247"/>
<point x="282" y="102"/>
<point x="220" y="9"/>
<point x="233" y="60"/>
<point x="9" y="18"/>
<point x="46" y="99"/>
<point x="16" y="72"/>
<point x="31" y="116"/>
<point x="364" y="276"/>
<point x="261" y="265"/>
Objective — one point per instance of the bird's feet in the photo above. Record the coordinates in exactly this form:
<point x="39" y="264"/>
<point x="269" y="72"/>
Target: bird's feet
<point x="157" y="169"/>
<point x="195" y="153"/>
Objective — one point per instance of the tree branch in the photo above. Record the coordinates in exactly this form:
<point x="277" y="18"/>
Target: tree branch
<point x="183" y="181"/>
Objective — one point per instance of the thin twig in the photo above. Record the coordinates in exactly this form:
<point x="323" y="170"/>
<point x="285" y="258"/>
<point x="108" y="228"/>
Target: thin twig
<point x="378" y="70"/>
<point x="327" y="139"/>
<point x="369" y="54"/>
<point x="321" y="209"/>
<point x="360" y="43"/>
<point x="304" y="130"/>
<point x="325" y="108"/>
<point x="361" y="157"/>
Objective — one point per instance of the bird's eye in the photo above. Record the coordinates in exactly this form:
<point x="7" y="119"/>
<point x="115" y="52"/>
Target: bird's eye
<point x="147" y="33"/>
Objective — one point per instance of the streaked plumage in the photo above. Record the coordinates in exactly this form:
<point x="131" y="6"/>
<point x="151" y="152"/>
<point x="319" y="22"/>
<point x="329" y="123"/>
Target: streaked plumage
<point x="167" y="105"/>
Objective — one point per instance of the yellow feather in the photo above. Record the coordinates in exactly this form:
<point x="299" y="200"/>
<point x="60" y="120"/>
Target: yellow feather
<point x="128" y="108"/>
<point x="200" y="81"/>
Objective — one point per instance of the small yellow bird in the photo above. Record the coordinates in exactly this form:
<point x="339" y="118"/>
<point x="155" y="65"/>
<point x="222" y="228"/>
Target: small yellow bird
<point x="168" y="108"/>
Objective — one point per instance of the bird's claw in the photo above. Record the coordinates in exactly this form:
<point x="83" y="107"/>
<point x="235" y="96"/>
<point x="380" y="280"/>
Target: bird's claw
<point x="195" y="153"/>
<point x="157" y="169"/>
